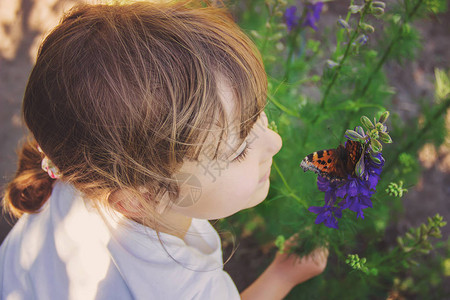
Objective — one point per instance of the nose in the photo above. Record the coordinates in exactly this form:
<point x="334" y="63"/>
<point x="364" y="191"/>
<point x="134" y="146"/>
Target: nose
<point x="274" y="144"/>
<point x="272" y="141"/>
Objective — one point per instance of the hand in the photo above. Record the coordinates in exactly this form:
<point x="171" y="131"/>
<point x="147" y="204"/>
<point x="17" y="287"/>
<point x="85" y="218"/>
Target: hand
<point x="285" y="272"/>
<point x="294" y="270"/>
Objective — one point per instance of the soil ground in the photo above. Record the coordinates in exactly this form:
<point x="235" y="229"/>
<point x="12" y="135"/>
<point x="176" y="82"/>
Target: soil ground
<point x="23" y="23"/>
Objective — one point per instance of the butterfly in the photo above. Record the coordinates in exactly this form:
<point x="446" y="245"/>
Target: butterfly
<point x="334" y="164"/>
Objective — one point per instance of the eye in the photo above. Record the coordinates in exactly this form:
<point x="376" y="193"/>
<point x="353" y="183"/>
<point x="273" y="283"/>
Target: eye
<point x="242" y="155"/>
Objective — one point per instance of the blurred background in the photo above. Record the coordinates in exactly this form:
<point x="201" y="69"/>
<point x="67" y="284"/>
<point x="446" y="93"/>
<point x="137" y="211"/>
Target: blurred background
<point x="24" y="24"/>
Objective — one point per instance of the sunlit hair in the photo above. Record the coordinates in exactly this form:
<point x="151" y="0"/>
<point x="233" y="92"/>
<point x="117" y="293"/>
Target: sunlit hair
<point x="121" y="95"/>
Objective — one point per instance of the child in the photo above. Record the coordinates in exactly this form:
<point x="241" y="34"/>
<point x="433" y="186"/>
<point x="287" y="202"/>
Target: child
<point x="146" y="121"/>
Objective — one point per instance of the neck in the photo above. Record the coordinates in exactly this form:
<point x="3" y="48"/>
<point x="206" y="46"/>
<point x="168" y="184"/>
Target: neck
<point x="168" y="221"/>
<point x="174" y="224"/>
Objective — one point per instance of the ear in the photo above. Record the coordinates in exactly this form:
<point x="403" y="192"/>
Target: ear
<point x="163" y="203"/>
<point x="124" y="202"/>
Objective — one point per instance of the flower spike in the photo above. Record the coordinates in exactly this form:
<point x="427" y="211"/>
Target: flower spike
<point x="353" y="192"/>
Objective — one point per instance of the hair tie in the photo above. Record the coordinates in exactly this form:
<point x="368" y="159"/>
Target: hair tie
<point x="48" y="166"/>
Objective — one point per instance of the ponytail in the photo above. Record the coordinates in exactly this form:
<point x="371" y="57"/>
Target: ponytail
<point x="31" y="186"/>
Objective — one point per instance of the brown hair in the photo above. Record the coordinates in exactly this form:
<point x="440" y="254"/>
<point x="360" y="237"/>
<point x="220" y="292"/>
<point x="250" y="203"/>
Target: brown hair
<point x="121" y="95"/>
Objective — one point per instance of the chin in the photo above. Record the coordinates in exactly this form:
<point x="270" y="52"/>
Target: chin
<point x="259" y="195"/>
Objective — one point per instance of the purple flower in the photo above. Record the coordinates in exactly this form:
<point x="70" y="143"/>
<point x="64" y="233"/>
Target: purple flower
<point x="327" y="214"/>
<point x="313" y="14"/>
<point x="290" y="17"/>
<point x="357" y="204"/>
<point x="324" y="185"/>
<point x="362" y="39"/>
<point x="353" y="193"/>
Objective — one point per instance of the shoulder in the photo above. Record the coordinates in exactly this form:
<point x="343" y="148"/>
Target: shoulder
<point x="58" y="253"/>
<point x="167" y="267"/>
<point x="69" y="247"/>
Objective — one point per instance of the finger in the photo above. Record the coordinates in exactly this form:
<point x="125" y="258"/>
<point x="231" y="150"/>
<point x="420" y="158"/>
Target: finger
<point x="292" y="241"/>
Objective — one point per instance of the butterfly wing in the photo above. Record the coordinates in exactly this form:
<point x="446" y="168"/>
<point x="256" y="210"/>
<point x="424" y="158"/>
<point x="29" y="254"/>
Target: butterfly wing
<point x="325" y="163"/>
<point x="334" y="164"/>
<point x="353" y="151"/>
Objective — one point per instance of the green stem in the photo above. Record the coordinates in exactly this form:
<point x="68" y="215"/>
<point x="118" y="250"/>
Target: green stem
<point x="282" y="107"/>
<point x="382" y="60"/>
<point x="291" y="192"/>
<point x="340" y="35"/>
<point x="337" y="71"/>
<point x="344" y="58"/>
<point x="293" y="35"/>
<point x="389" y="48"/>
<point x="269" y="29"/>
<point x="292" y="46"/>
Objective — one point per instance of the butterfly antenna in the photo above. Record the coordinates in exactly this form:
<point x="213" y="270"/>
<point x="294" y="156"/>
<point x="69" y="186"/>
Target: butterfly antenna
<point x="338" y="140"/>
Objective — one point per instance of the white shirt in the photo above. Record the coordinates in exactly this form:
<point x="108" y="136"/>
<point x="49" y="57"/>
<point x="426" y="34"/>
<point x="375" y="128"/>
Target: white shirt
<point x="71" y="250"/>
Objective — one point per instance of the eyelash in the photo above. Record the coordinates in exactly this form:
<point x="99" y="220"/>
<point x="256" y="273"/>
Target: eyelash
<point x="242" y="155"/>
<point x="244" y="152"/>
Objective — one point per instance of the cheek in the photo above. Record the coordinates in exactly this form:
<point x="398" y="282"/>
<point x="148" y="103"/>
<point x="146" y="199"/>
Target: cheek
<point x="227" y="194"/>
<point x="241" y="185"/>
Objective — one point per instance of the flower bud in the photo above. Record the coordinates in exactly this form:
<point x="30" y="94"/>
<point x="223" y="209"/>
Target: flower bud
<point x="374" y="158"/>
<point x="273" y="126"/>
<point x="384" y="116"/>
<point x="373" y="134"/>
<point x="331" y="64"/>
<point x="280" y="243"/>
<point x="435" y="234"/>
<point x="255" y="34"/>
<point x="343" y="24"/>
<point x="366" y="122"/>
<point x="385" y="138"/>
<point x="376" y="145"/>
<point x="353" y="135"/>
<point x="362" y="39"/>
<point x="360" y="130"/>
<point x="367" y="28"/>
<point x="354" y="9"/>
<point x="281" y="26"/>
<point x="377" y="11"/>
<point x="279" y="46"/>
<point x="360" y="167"/>
<point x="277" y="36"/>
<point x="378" y="126"/>
<point x="379" y="4"/>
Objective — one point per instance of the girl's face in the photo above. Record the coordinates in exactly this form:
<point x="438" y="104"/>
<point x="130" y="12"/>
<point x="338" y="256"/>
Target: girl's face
<point x="213" y="189"/>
